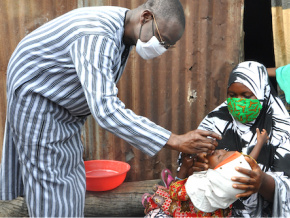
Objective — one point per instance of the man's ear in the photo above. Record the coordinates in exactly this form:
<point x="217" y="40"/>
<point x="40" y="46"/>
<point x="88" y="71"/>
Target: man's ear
<point x="146" y="16"/>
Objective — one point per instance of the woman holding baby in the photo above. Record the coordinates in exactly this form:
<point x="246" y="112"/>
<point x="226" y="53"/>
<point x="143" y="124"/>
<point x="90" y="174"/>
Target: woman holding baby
<point x="251" y="107"/>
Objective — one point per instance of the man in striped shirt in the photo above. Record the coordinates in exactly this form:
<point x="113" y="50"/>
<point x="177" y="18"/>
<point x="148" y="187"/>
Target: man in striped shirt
<point x="64" y="71"/>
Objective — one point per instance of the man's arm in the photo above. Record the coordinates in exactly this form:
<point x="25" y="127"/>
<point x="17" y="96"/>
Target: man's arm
<point x="94" y="58"/>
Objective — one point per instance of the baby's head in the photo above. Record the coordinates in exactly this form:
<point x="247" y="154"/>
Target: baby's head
<point x="217" y="157"/>
<point x="214" y="189"/>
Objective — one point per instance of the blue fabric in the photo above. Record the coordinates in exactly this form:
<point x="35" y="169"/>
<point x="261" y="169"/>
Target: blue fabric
<point x="283" y="80"/>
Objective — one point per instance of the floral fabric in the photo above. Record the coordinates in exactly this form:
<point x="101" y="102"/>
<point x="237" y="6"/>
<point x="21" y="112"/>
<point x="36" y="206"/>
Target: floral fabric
<point x="175" y="202"/>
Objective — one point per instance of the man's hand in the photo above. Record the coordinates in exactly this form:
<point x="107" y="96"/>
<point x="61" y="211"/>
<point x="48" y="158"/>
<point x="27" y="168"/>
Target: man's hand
<point x="193" y="142"/>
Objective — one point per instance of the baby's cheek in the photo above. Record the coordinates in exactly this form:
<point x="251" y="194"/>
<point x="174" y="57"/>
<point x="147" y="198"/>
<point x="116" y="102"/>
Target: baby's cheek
<point x="212" y="162"/>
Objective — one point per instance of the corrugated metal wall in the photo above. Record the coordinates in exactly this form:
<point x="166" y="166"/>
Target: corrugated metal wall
<point x="175" y="90"/>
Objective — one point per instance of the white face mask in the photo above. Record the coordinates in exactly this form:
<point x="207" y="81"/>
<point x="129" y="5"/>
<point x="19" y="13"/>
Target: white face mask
<point x="150" y="49"/>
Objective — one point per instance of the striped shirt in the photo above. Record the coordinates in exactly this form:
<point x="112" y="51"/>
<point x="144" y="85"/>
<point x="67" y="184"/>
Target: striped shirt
<point x="58" y="75"/>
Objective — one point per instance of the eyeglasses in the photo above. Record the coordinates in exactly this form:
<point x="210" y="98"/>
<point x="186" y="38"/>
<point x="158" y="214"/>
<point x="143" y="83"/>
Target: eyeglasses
<point x="162" y="42"/>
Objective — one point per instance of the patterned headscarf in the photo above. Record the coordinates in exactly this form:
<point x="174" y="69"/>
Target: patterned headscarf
<point x="254" y="76"/>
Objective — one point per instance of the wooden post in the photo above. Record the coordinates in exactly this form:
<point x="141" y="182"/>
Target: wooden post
<point x="123" y="201"/>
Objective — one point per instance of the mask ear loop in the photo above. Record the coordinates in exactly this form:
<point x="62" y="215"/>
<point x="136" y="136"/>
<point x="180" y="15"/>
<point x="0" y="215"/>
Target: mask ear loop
<point x="140" y="30"/>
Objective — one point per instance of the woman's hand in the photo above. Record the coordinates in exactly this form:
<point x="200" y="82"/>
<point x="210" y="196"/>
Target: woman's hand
<point x="192" y="163"/>
<point x="187" y="162"/>
<point x="252" y="184"/>
<point x="259" y="181"/>
<point x="200" y="163"/>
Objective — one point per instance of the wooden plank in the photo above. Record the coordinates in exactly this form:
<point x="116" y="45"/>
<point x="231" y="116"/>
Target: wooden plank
<point x="123" y="201"/>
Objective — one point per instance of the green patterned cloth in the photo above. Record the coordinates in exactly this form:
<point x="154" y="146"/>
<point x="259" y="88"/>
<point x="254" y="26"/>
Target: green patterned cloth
<point x="244" y="110"/>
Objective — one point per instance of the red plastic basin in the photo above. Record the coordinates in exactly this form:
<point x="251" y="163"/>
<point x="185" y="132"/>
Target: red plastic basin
<point x="104" y="175"/>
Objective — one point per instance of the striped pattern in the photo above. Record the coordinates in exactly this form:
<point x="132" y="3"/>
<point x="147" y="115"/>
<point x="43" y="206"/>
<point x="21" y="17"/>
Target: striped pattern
<point x="57" y="76"/>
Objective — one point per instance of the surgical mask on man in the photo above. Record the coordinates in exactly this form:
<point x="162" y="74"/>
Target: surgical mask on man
<point x="244" y="110"/>
<point x="151" y="49"/>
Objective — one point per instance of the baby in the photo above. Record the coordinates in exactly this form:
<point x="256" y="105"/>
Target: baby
<point x="206" y="193"/>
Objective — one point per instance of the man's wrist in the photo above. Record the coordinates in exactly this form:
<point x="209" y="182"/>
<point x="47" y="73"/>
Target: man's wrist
<point x="172" y="142"/>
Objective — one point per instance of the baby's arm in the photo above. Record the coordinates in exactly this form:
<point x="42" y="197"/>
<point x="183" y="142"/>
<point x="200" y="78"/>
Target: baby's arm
<point x="262" y="138"/>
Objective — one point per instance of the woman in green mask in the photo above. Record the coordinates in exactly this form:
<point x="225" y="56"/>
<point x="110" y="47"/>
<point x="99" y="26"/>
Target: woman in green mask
<point x="242" y="103"/>
<point x="251" y="103"/>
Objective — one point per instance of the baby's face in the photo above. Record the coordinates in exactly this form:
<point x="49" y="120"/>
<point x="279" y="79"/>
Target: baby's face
<point x="217" y="157"/>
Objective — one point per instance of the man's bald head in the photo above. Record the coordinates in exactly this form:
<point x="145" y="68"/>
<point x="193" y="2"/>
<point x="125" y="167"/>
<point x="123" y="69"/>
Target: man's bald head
<point x="168" y="15"/>
<point x="170" y="10"/>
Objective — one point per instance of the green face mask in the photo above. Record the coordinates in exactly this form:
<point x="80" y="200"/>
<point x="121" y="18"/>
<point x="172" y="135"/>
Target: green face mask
<point x="243" y="109"/>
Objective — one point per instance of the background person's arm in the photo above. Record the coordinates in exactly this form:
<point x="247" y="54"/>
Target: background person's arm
<point x="272" y="71"/>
